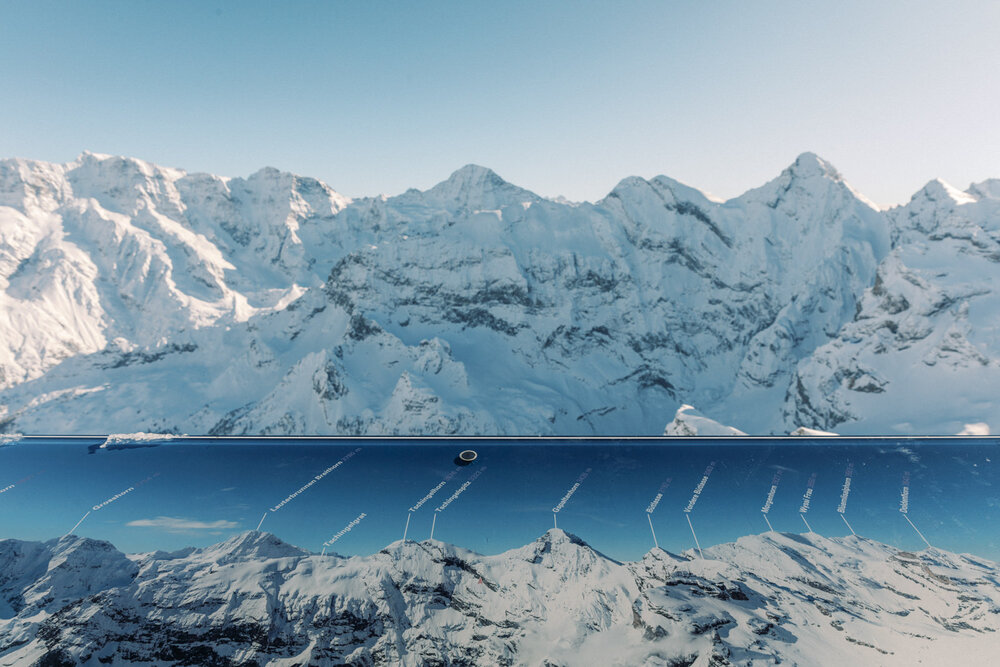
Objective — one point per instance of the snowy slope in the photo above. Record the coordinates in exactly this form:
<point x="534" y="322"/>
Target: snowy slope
<point x="137" y="298"/>
<point x="764" y="599"/>
<point x="922" y="353"/>
<point x="687" y="422"/>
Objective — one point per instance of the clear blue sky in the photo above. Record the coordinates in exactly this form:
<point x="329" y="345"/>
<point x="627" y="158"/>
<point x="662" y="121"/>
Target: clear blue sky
<point x="558" y="97"/>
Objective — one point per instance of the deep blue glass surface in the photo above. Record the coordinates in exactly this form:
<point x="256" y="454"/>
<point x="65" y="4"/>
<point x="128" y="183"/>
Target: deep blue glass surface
<point x="195" y="492"/>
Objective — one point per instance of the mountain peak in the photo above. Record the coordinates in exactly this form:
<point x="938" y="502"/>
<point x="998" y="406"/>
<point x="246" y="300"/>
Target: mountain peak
<point x="270" y="174"/>
<point x="92" y="156"/>
<point x="627" y="185"/>
<point x="123" y="164"/>
<point x="474" y="186"/>
<point x="558" y="541"/>
<point x="71" y="542"/>
<point x="472" y="170"/>
<point x="938" y="190"/>
<point x="988" y="189"/>
<point x="560" y="536"/>
<point x="472" y="176"/>
<point x="253" y="544"/>
<point x="809" y="176"/>
<point x="97" y="174"/>
<point x="810" y="165"/>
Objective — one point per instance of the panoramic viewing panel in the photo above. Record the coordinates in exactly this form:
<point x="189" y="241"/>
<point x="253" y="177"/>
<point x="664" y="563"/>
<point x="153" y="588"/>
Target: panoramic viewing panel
<point x="176" y="550"/>
<point x="150" y="495"/>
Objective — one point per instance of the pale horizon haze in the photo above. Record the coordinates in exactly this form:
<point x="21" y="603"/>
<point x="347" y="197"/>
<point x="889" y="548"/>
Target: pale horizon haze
<point x="562" y="98"/>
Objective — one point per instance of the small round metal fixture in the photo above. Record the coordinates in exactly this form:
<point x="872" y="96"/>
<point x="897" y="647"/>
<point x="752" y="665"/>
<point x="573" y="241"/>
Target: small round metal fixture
<point x="466" y="457"/>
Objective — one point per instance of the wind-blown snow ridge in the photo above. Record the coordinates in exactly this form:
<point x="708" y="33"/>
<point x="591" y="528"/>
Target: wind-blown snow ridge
<point x="686" y="424"/>
<point x="253" y="599"/>
<point x="138" y="298"/>
<point x="125" y="438"/>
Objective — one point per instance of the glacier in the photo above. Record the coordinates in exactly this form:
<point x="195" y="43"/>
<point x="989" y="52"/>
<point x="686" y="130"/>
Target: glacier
<point x="140" y="298"/>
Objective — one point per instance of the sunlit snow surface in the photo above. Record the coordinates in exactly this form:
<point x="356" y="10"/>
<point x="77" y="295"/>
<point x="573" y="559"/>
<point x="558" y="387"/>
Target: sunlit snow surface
<point x="498" y="584"/>
<point x="136" y="298"/>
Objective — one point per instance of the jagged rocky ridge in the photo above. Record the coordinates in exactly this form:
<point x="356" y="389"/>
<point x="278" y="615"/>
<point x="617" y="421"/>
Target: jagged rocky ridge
<point x="141" y="298"/>
<point x="254" y="600"/>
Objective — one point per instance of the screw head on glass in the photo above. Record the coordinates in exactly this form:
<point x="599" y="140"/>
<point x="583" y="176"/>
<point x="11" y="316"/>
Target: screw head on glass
<point x="466" y="457"/>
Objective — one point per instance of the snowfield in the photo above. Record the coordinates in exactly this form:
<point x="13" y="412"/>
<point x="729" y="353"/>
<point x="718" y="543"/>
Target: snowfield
<point x="138" y="298"/>
<point x="253" y="600"/>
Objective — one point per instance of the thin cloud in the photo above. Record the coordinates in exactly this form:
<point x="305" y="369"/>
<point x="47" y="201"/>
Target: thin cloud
<point x="178" y="525"/>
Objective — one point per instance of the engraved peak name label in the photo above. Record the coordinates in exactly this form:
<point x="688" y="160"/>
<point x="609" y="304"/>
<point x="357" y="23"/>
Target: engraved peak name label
<point x="904" y="506"/>
<point x="904" y="500"/>
<point x="315" y="479"/>
<point x="701" y="487"/>
<point x="572" y="490"/>
<point x="345" y="530"/>
<point x="122" y="493"/>
<point x="807" y="496"/>
<point x="845" y="490"/>
<point x="770" y="494"/>
<point x="659" y="496"/>
<point x="111" y="500"/>
<point x="453" y="497"/>
<point x="20" y="481"/>
<point x="430" y="494"/>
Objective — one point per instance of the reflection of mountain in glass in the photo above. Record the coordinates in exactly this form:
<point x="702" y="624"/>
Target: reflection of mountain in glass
<point x="764" y="599"/>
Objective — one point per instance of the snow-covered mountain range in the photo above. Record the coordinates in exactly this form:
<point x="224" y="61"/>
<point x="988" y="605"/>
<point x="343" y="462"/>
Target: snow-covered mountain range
<point x="253" y="600"/>
<point x="141" y="298"/>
